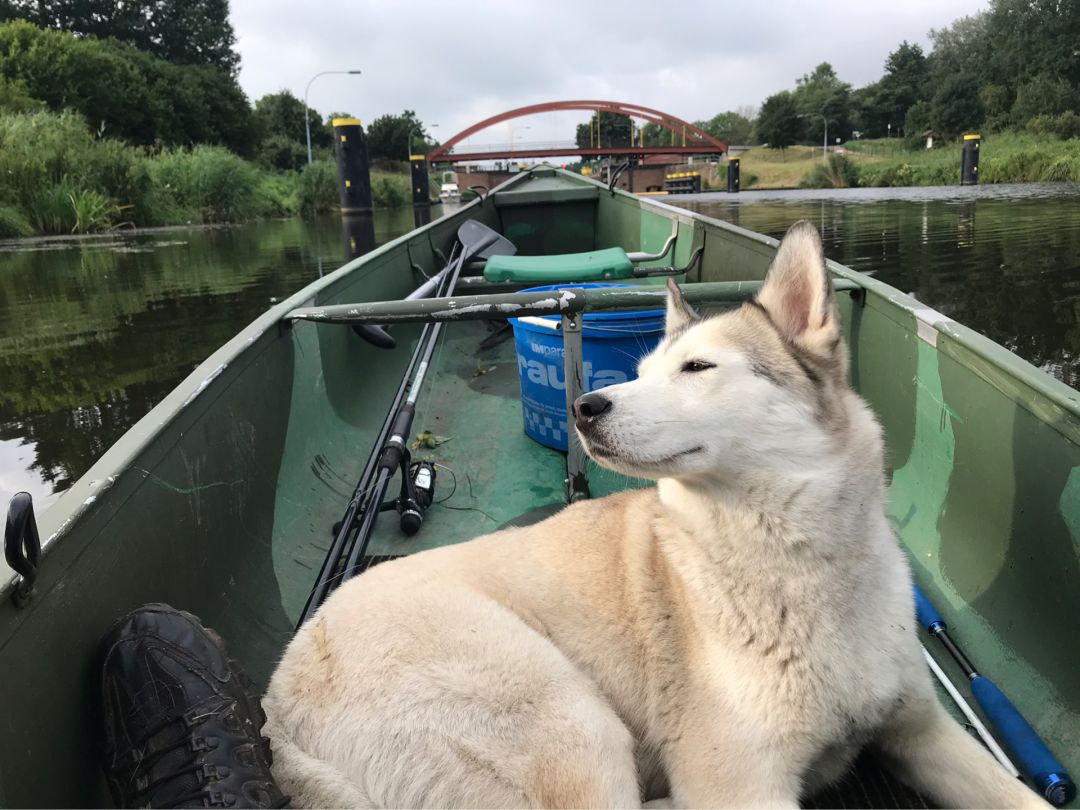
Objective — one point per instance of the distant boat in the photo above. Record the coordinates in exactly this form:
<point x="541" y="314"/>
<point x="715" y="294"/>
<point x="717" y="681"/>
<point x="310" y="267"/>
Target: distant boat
<point x="449" y="193"/>
<point x="227" y="498"/>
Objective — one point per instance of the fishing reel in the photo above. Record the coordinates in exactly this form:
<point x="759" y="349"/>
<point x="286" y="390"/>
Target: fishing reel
<point x="417" y="494"/>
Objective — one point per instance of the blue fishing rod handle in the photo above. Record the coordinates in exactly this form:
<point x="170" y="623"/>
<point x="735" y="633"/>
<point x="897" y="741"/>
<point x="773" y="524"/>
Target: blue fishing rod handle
<point x="1036" y="761"/>
<point x="926" y="612"/>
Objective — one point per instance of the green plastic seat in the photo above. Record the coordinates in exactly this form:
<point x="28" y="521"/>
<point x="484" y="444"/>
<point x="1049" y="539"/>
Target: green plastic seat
<point x="596" y="265"/>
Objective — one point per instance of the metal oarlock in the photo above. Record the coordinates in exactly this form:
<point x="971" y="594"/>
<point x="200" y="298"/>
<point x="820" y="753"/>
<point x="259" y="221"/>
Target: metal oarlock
<point x="577" y="476"/>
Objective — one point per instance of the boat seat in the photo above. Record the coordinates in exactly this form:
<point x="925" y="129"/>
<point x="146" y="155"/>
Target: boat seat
<point x="594" y="265"/>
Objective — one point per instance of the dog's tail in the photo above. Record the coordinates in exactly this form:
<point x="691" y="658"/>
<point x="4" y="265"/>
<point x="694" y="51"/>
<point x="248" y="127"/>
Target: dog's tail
<point x="311" y="782"/>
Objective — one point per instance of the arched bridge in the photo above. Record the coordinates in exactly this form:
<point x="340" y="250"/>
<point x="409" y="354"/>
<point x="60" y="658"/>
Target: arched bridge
<point x="687" y="138"/>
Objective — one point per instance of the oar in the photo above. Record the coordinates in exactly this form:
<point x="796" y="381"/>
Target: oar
<point x="475" y="239"/>
<point x="1030" y="753"/>
<point x="485" y="242"/>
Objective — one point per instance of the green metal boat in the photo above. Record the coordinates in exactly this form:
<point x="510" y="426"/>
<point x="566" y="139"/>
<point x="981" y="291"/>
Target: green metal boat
<point x="223" y="499"/>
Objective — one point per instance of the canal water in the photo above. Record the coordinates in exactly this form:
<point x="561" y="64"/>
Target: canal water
<point x="94" y="332"/>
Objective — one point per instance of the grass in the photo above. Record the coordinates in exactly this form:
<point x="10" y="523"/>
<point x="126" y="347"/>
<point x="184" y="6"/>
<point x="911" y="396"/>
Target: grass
<point x="58" y="177"/>
<point x="777" y="168"/>
<point x="1008" y="157"/>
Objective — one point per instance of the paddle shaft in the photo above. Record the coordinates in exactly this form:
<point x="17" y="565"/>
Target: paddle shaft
<point x="1030" y="753"/>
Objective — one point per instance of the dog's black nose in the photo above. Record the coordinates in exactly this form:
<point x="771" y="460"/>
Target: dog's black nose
<point x="589" y="406"/>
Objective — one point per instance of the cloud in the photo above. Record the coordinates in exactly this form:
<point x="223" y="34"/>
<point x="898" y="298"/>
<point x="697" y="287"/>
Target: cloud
<point x="457" y="63"/>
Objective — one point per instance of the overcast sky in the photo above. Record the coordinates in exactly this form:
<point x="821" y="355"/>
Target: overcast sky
<point x="457" y="62"/>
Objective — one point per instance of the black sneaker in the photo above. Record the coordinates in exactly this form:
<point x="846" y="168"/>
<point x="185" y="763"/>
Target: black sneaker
<point x="182" y="721"/>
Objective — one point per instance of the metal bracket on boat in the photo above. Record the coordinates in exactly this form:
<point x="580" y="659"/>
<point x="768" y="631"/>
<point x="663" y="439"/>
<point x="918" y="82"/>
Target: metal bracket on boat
<point x="616" y="175"/>
<point x="577" y="476"/>
<point x="637" y="256"/>
<point x="477" y="189"/>
<point x="646" y="272"/>
<point x="22" y="546"/>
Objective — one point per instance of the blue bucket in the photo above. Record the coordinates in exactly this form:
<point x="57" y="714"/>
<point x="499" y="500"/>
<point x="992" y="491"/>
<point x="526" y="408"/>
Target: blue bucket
<point x="611" y="345"/>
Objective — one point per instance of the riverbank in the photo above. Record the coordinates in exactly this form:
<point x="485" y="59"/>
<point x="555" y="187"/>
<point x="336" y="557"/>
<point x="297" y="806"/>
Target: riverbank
<point x="1005" y="158"/>
<point x="60" y="178"/>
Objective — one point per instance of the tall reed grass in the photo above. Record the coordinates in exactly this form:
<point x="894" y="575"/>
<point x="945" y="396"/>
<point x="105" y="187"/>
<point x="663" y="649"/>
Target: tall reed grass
<point x="57" y="177"/>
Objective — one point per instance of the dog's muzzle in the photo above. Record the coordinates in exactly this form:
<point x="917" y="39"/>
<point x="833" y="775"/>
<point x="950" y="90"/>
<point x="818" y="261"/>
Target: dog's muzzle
<point x="589" y="408"/>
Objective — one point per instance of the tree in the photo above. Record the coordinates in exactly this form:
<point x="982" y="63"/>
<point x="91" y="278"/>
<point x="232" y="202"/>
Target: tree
<point x="995" y="101"/>
<point x="125" y="92"/>
<point x="822" y="93"/>
<point x="906" y="78"/>
<point x="960" y="50"/>
<point x="778" y="125"/>
<point x="1043" y="95"/>
<point x="731" y="127"/>
<point x="652" y="135"/>
<point x="918" y="119"/>
<point x="279" y="120"/>
<point x="614" y="130"/>
<point x="388" y="136"/>
<point x="956" y="107"/>
<point x="186" y="32"/>
<point x="1033" y="38"/>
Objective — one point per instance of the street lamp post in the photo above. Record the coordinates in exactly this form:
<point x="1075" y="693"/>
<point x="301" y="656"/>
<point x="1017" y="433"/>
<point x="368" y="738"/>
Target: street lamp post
<point x="825" y="137"/>
<point x="307" y="117"/>
<point x="411" y="131"/>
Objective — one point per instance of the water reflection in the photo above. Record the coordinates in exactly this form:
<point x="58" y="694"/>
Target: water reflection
<point x="1004" y="260"/>
<point x="95" y="332"/>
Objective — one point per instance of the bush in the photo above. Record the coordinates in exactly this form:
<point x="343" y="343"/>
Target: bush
<point x="837" y="172"/>
<point x="389" y="191"/>
<point x="282" y="153"/>
<point x="13" y="223"/>
<point x="211" y="180"/>
<point x="317" y="189"/>
<point x="51" y="210"/>
<point x="1063" y="126"/>
<point x="41" y="151"/>
<point x="277" y="195"/>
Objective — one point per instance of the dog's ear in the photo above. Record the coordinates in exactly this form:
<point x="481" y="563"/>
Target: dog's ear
<point x="679" y="313"/>
<point x="798" y="292"/>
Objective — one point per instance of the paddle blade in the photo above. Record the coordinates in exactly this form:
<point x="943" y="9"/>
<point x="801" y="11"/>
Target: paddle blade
<point x="481" y="241"/>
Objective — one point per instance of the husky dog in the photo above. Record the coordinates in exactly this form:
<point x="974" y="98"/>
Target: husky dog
<point x="732" y="637"/>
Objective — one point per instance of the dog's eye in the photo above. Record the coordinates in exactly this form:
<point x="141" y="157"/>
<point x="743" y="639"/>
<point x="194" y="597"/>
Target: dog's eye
<point x="697" y="365"/>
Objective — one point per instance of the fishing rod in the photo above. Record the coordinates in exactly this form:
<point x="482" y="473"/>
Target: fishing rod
<point x="395" y="452"/>
<point x="328" y="572"/>
<point x="1034" y="759"/>
<point x="475" y="239"/>
<point x="969" y="713"/>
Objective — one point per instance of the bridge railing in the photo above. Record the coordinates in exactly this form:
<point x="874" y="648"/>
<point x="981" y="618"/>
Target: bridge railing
<point x="516" y="146"/>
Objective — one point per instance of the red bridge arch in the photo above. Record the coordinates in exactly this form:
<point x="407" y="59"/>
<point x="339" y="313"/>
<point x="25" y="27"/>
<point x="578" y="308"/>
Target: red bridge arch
<point x="700" y="139"/>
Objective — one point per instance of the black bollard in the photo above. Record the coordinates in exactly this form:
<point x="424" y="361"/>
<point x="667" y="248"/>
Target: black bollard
<point x="732" y="175"/>
<point x="969" y="160"/>
<point x="421" y="215"/>
<point x="352" y="165"/>
<point x="359" y="233"/>
<point x="421" y="191"/>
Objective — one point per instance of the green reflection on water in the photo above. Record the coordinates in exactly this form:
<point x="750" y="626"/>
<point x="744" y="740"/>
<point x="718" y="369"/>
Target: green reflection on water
<point x="93" y="333"/>
<point x="1004" y="260"/>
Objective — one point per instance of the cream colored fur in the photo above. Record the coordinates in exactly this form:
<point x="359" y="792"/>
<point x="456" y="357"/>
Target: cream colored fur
<point x="734" y="636"/>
